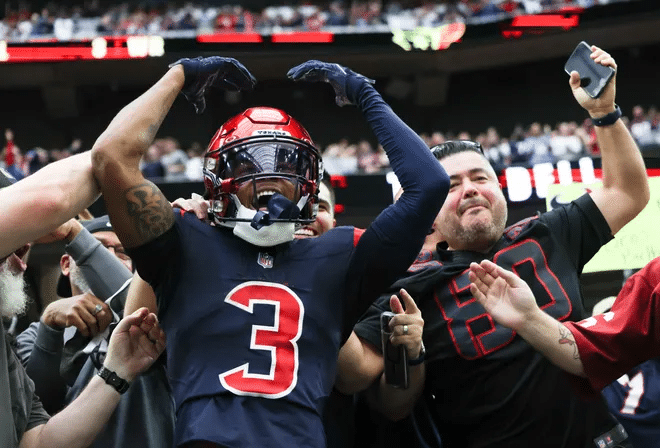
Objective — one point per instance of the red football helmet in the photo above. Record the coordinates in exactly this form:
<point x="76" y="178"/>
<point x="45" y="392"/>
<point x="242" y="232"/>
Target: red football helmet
<point x="261" y="142"/>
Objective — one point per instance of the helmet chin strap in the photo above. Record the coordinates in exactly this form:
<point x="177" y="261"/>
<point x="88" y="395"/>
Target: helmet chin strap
<point x="258" y="227"/>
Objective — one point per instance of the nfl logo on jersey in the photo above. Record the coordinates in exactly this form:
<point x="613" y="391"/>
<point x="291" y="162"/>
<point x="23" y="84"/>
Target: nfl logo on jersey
<point x="265" y="260"/>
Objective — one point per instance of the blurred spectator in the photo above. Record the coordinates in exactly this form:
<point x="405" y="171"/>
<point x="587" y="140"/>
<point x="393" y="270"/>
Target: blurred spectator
<point x="174" y="160"/>
<point x="564" y="144"/>
<point x="340" y="158"/>
<point x="151" y="167"/>
<point x="640" y="128"/>
<point x="36" y="159"/>
<point x="13" y="160"/>
<point x="535" y="147"/>
<point x="195" y="161"/>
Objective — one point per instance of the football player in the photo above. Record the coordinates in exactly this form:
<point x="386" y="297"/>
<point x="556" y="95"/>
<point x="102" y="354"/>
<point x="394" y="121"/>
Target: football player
<point x="256" y="315"/>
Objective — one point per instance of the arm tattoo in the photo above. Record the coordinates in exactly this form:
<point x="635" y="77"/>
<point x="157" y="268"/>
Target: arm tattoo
<point x="149" y="211"/>
<point x="567" y="338"/>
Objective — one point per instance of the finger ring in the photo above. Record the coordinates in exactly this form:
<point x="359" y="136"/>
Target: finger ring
<point x="97" y="309"/>
<point x="405" y="329"/>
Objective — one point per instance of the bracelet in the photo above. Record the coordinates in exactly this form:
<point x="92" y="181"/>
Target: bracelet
<point x="608" y="119"/>
<point x="420" y="359"/>
<point x="111" y="378"/>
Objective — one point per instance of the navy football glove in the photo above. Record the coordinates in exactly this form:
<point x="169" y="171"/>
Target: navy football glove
<point x="200" y="73"/>
<point x="344" y="80"/>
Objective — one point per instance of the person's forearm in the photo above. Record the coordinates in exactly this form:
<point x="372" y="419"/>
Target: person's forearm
<point x="553" y="340"/>
<point x="396" y="403"/>
<point x="77" y="425"/>
<point x="46" y="199"/>
<point x="104" y="273"/>
<point x="131" y="132"/>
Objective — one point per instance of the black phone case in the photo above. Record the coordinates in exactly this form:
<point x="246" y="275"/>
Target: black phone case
<point x="594" y="77"/>
<point x="395" y="358"/>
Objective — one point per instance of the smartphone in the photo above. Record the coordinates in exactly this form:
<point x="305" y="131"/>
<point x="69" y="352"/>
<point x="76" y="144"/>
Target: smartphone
<point x="394" y="357"/>
<point x="593" y="77"/>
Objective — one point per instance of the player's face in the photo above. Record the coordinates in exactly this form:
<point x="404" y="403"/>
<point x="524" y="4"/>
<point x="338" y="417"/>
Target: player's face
<point x="474" y="214"/>
<point x="325" y="218"/>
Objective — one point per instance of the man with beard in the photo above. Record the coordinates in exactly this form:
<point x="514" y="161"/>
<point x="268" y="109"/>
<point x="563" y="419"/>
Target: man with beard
<point x="95" y="276"/>
<point x="485" y="387"/>
<point x="30" y="212"/>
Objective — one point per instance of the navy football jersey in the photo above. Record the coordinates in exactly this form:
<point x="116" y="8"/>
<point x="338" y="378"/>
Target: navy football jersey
<point x="634" y="399"/>
<point x="253" y="333"/>
<point x="486" y="386"/>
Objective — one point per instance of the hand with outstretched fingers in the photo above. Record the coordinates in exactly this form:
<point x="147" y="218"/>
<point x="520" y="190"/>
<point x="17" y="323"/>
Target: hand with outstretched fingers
<point x="344" y="80"/>
<point x="201" y="73"/>
<point x="407" y="326"/>
<point x="135" y="344"/>
<point x="506" y="297"/>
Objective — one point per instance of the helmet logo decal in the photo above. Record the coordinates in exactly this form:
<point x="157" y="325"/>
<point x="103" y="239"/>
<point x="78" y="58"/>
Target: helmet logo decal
<point x="271" y="132"/>
<point x="265" y="260"/>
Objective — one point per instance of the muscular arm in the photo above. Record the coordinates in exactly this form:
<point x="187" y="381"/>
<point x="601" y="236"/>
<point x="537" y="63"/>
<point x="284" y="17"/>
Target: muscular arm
<point x="140" y="294"/>
<point x="41" y="202"/>
<point x="137" y="208"/>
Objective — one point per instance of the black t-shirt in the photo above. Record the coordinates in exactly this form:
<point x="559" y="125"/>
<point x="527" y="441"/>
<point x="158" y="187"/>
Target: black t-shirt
<point x="486" y="386"/>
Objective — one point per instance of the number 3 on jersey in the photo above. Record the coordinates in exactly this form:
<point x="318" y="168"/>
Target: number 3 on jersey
<point x="280" y="339"/>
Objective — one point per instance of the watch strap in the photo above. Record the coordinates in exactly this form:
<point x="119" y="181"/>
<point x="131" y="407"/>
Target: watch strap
<point x="608" y="119"/>
<point x="419" y="359"/>
<point x="111" y="378"/>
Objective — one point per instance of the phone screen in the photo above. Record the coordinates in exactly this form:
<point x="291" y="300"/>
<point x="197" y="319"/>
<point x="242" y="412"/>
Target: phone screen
<point x="593" y="77"/>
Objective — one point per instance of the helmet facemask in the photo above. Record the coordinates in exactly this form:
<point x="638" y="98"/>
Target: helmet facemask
<point x="265" y="179"/>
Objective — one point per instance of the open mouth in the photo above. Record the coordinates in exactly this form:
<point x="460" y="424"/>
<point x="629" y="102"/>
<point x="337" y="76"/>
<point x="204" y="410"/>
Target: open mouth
<point x="305" y="232"/>
<point x="263" y="197"/>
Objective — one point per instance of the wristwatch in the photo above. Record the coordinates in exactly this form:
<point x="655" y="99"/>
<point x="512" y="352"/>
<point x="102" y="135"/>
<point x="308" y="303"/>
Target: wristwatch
<point x="111" y="378"/>
<point x="608" y="119"/>
<point x="420" y="358"/>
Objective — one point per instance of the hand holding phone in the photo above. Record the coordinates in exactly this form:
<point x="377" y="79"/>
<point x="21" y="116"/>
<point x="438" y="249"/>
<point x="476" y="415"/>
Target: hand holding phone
<point x="394" y="357"/>
<point x="594" y="77"/>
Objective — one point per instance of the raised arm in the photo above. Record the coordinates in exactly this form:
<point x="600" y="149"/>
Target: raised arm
<point x="137" y="208"/>
<point x="38" y="204"/>
<point x="625" y="190"/>
<point x="510" y="301"/>
<point x="393" y="240"/>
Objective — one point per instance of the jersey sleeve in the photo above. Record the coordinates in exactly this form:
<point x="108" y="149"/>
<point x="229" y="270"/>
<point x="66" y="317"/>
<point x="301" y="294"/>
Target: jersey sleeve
<point x="581" y="227"/>
<point x="611" y="344"/>
<point x="39" y="349"/>
<point x="158" y="260"/>
<point x="391" y="243"/>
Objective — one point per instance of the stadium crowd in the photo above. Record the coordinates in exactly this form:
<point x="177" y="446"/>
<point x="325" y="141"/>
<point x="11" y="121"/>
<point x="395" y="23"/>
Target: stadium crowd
<point x="90" y="19"/>
<point x="525" y="146"/>
<point x="263" y="241"/>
